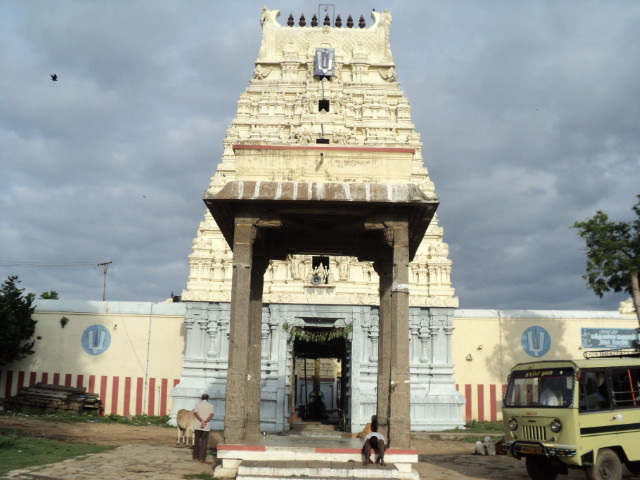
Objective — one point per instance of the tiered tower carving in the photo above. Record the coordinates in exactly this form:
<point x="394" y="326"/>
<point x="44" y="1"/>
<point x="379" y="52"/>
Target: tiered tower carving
<point x="360" y="105"/>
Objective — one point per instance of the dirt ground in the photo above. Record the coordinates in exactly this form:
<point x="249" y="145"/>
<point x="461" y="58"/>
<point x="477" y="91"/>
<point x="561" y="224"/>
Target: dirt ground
<point x="118" y="435"/>
<point x="439" y="459"/>
<point x="93" y="433"/>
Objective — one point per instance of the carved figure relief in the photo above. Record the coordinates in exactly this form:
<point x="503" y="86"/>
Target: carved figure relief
<point x="388" y="74"/>
<point x="268" y="18"/>
<point x="261" y="72"/>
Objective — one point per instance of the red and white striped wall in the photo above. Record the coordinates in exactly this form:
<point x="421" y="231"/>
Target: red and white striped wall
<point x="119" y="395"/>
<point x="128" y="395"/>
<point x="483" y="401"/>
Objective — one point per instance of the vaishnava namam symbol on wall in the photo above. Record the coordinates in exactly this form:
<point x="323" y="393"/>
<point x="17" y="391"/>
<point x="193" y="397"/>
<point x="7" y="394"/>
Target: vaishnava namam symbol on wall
<point x="95" y="339"/>
<point x="324" y="62"/>
<point x="536" y="341"/>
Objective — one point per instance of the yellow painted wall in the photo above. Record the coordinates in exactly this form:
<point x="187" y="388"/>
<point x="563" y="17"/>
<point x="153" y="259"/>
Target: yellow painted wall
<point x="144" y="359"/>
<point x="486" y="344"/>
<point x="133" y="375"/>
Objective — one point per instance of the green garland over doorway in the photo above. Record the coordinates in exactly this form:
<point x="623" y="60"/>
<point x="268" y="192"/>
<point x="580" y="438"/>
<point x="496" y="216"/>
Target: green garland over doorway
<point x="299" y="333"/>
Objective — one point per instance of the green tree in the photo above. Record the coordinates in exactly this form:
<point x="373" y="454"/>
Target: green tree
<point x="613" y="254"/>
<point x="52" y="295"/>
<point x="16" y="325"/>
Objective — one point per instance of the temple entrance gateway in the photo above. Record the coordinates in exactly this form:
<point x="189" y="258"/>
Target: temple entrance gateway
<point x="267" y="221"/>
<point x="320" y="373"/>
<point x="321" y="208"/>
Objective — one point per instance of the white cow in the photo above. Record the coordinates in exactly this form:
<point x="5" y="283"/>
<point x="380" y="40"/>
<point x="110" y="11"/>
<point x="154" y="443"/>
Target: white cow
<point x="184" y="422"/>
<point x="485" y="447"/>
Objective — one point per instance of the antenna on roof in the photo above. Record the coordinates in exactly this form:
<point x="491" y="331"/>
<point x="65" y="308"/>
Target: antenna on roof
<point x="105" y="267"/>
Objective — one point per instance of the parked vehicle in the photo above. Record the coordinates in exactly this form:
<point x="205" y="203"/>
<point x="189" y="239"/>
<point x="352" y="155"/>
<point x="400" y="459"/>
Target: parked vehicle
<point x="575" y="414"/>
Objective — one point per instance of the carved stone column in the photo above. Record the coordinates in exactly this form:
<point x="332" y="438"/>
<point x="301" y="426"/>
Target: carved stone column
<point x="204" y="337"/>
<point x="424" y="336"/>
<point x="414" y="344"/>
<point x="374" y="335"/>
<point x="265" y="349"/>
<point x="399" y="394"/>
<point x="189" y="321"/>
<point x="236" y="399"/>
<point x="259" y="267"/>
<point x="272" y="339"/>
<point x="212" y="330"/>
<point x="384" y="270"/>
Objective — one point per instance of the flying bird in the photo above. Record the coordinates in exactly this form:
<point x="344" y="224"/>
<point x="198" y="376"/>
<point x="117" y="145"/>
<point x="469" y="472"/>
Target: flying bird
<point x="54" y="77"/>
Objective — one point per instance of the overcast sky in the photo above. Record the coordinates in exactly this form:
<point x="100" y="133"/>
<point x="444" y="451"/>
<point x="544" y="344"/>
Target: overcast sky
<point x="529" y="112"/>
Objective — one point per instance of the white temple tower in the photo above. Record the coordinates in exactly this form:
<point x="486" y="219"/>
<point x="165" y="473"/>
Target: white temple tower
<point x="331" y="87"/>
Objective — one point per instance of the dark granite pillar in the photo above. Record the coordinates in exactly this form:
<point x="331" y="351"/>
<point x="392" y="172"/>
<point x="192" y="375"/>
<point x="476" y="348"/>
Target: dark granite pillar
<point x="384" y="270"/>
<point x="239" y="335"/>
<point x="259" y="266"/>
<point x="399" y="395"/>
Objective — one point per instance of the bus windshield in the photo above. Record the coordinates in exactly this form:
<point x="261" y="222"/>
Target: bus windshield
<point x="550" y="387"/>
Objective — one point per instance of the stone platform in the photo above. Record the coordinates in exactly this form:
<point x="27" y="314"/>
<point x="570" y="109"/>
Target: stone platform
<point x="310" y="458"/>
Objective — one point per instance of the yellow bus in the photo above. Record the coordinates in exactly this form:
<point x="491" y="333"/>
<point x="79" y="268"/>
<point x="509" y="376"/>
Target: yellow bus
<point x="562" y="414"/>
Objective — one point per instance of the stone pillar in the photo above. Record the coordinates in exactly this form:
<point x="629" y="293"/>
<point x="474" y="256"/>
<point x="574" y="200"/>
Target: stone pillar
<point x="258" y="269"/>
<point x="399" y="395"/>
<point x="236" y="399"/>
<point x="384" y="270"/>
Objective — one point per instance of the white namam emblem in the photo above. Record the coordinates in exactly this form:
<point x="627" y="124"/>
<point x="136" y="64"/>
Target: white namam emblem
<point x="324" y="62"/>
<point x="95" y="339"/>
<point x="536" y="341"/>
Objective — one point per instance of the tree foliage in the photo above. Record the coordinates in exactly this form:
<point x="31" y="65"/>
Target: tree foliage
<point x="52" y="295"/>
<point x="17" y="326"/>
<point x="613" y="254"/>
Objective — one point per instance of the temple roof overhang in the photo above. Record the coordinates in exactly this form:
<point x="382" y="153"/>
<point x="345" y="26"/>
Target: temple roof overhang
<point x="324" y="218"/>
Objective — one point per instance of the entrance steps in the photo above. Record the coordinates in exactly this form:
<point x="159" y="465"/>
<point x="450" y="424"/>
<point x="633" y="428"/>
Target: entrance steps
<point x="311" y="451"/>
<point x="314" y="429"/>
<point x="313" y="470"/>
<point x="323" y="458"/>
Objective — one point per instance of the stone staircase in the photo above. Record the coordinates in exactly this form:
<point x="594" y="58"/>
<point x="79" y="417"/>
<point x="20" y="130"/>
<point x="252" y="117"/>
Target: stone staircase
<point x="313" y="470"/>
<point x="310" y="451"/>
<point x="315" y="429"/>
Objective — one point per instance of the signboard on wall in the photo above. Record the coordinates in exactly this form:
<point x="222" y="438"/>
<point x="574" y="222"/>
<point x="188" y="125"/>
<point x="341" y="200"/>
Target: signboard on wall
<point x="604" y="338"/>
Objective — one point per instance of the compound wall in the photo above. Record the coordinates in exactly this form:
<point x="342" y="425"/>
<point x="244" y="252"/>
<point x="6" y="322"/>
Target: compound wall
<point x="141" y="357"/>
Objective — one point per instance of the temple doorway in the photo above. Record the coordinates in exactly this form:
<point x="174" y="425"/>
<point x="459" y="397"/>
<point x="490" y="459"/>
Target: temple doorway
<point x="321" y="374"/>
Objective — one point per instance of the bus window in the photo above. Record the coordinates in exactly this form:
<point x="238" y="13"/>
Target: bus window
<point x="624" y="386"/>
<point x="546" y="388"/>
<point x="594" y="394"/>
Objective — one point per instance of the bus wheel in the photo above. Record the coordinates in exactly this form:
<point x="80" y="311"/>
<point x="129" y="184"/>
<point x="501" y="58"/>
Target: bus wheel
<point x="633" y="467"/>
<point x="541" y="468"/>
<point x="607" y="467"/>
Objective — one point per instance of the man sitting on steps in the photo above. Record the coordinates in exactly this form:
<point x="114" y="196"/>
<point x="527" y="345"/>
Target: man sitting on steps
<point x="376" y="442"/>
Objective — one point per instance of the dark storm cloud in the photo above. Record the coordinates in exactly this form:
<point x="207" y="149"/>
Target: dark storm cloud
<point x="527" y="111"/>
<point x="528" y="126"/>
